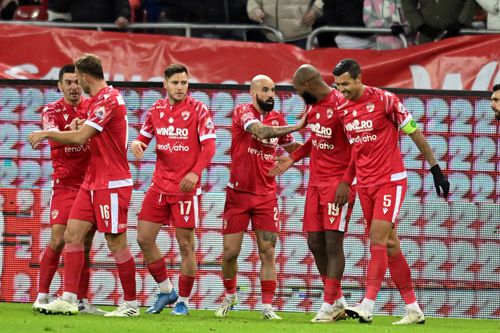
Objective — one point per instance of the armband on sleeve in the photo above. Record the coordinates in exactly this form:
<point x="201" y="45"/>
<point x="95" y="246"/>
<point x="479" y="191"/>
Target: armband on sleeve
<point x="410" y="127"/>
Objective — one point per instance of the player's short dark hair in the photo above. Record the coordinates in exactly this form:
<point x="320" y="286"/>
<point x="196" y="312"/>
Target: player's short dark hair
<point x="175" y="69"/>
<point x="69" y="68"/>
<point x="496" y="87"/>
<point x="90" y="64"/>
<point x="347" y="66"/>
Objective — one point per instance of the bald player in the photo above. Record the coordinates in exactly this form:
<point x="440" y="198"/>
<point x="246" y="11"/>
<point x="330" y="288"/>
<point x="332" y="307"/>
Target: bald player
<point x="257" y="130"/>
<point x="495" y="101"/>
<point x="329" y="152"/>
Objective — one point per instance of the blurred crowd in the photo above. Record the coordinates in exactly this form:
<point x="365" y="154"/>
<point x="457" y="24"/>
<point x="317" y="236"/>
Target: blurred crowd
<point x="417" y="21"/>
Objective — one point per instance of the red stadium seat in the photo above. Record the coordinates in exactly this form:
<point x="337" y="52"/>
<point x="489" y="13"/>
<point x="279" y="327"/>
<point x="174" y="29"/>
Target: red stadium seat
<point x="30" y="13"/>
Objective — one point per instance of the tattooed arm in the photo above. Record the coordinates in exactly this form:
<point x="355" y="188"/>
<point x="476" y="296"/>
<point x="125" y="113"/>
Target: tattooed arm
<point x="265" y="132"/>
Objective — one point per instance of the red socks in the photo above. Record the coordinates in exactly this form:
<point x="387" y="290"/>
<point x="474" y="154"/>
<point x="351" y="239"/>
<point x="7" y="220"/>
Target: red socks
<point x="74" y="261"/>
<point x="48" y="267"/>
<point x="158" y="271"/>
<point x="230" y="285"/>
<point x="332" y="290"/>
<point x="185" y="285"/>
<point x="83" y="287"/>
<point x="376" y="270"/>
<point x="268" y="288"/>
<point x="401" y="275"/>
<point x="126" y="270"/>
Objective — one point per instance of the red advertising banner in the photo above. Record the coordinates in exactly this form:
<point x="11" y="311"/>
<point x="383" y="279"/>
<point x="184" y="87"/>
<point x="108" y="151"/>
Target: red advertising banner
<point x="461" y="63"/>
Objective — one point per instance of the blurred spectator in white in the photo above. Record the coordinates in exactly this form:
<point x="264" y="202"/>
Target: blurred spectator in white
<point x="7" y="9"/>
<point x="492" y="7"/>
<point x="438" y="19"/>
<point x="385" y="14"/>
<point x="293" y="18"/>
<point x="59" y="10"/>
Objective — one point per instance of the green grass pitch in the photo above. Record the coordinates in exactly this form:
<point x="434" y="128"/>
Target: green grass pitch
<point x="18" y="318"/>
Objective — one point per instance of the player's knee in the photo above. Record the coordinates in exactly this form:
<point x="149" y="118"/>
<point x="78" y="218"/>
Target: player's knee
<point x="57" y="243"/>
<point x="186" y="248"/>
<point x="145" y="242"/>
<point x="231" y="254"/>
<point x="314" y="246"/>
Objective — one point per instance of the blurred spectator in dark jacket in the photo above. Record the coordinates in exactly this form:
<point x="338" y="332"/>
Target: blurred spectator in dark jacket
<point x="117" y="11"/>
<point x="435" y="20"/>
<point x="344" y="13"/>
<point x="7" y="9"/>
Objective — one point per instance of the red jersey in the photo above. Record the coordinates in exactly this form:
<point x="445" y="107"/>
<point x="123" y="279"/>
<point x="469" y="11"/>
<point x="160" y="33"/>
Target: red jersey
<point x="252" y="158"/>
<point x="179" y="130"/>
<point x="108" y="159"/>
<point x="330" y="150"/>
<point x="69" y="162"/>
<point x="371" y="124"/>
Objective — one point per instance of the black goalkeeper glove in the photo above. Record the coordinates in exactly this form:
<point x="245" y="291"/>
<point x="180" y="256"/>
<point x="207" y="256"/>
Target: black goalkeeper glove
<point x="440" y="181"/>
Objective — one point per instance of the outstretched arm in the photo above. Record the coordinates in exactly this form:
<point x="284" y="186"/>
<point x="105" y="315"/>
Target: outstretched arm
<point x="440" y="180"/>
<point x="78" y="137"/>
<point x="266" y="132"/>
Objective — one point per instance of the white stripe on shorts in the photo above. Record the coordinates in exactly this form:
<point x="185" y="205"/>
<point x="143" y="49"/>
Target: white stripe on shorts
<point x="343" y="221"/>
<point x="195" y="211"/>
<point x="114" y="213"/>
<point x="399" y="189"/>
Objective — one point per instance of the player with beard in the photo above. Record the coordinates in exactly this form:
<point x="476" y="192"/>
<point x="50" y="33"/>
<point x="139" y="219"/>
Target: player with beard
<point x="69" y="164"/>
<point x="495" y="101"/>
<point x="185" y="144"/>
<point x="103" y="199"/>
<point x="257" y="130"/>
<point x="372" y="118"/>
<point x="329" y="152"/>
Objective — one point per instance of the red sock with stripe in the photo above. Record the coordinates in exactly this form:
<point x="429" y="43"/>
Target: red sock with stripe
<point x="48" y="267"/>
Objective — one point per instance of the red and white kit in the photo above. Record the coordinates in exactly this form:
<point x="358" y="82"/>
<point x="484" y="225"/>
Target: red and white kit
<point x="107" y="189"/>
<point x="251" y="161"/>
<point x="69" y="162"/>
<point x="180" y="131"/>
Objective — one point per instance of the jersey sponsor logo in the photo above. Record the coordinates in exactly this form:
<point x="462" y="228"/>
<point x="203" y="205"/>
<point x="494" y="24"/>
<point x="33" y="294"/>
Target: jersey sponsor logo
<point x="363" y="138"/>
<point x="322" y="145"/>
<point x="76" y="149"/>
<point x="66" y="117"/>
<point x="173" y="132"/>
<point x="172" y="148"/>
<point x="261" y="154"/>
<point x="209" y="125"/>
<point x="385" y="210"/>
<point x="359" y="126"/>
<point x="322" y="131"/>
<point x="185" y="115"/>
<point x="186" y="218"/>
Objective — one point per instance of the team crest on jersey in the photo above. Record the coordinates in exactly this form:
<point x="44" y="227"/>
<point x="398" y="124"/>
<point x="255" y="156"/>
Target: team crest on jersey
<point x="54" y="214"/>
<point x="66" y="117"/>
<point x="210" y="124"/>
<point x="162" y="114"/>
<point x="100" y="112"/>
<point x="329" y="113"/>
<point x="275" y="123"/>
<point x="317" y="115"/>
<point x="354" y="113"/>
<point x="185" y="115"/>
<point x="170" y="120"/>
<point x="370" y="107"/>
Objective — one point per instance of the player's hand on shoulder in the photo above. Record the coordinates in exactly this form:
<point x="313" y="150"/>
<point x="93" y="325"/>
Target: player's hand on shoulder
<point x="137" y="147"/>
<point x="189" y="182"/>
